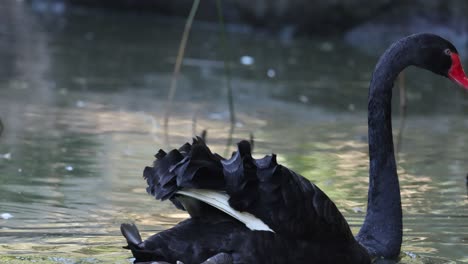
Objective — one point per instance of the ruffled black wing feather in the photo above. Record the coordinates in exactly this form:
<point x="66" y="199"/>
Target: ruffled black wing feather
<point x="191" y="166"/>
<point x="287" y="202"/>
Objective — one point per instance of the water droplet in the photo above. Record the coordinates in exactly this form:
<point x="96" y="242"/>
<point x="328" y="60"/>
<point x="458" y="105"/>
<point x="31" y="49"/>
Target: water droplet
<point x="247" y="60"/>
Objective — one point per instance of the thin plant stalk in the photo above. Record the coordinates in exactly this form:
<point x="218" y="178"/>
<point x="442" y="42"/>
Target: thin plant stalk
<point x="229" y="140"/>
<point x="227" y="69"/>
<point x="227" y="72"/>
<point x="194" y="124"/>
<point x="178" y="64"/>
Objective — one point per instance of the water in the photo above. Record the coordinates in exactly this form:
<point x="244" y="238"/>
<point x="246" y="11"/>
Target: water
<point x="82" y="98"/>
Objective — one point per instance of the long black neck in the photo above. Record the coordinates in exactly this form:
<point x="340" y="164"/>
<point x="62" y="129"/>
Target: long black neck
<point x="381" y="233"/>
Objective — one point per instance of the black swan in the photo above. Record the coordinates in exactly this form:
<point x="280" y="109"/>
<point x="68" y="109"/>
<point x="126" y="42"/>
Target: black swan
<point x="246" y="210"/>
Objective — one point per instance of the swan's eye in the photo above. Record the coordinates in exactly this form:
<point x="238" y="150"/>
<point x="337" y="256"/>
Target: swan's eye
<point x="448" y="52"/>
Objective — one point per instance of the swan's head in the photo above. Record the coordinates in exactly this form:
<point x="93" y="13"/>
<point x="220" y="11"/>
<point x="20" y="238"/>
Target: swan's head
<point x="456" y="73"/>
<point x="441" y="57"/>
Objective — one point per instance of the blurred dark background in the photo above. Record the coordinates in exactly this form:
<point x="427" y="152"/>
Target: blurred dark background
<point x="369" y="25"/>
<point x="300" y="16"/>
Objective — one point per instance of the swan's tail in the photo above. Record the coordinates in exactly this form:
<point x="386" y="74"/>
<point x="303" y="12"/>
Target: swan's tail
<point x="137" y="246"/>
<point x="131" y="233"/>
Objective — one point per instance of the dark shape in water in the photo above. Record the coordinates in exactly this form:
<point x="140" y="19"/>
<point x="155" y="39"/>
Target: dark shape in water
<point x="300" y="223"/>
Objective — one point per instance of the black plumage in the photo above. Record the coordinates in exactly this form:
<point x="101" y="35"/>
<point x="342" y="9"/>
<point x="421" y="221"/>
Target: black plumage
<point x="306" y="226"/>
<point x="255" y="186"/>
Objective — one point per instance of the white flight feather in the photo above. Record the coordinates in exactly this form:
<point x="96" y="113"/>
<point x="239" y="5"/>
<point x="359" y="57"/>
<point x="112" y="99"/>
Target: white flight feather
<point x="219" y="200"/>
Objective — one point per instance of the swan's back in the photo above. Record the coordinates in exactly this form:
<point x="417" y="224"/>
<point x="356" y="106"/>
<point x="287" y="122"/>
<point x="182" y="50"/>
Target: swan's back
<point x="306" y="224"/>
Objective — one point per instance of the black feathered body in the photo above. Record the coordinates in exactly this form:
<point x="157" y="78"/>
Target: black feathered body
<point x="195" y="240"/>
<point x="308" y="228"/>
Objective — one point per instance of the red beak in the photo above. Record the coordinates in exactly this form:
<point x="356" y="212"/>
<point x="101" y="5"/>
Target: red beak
<point x="456" y="72"/>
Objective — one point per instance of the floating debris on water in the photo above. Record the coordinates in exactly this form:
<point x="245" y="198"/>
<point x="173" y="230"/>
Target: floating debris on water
<point x="327" y="46"/>
<point x="271" y="73"/>
<point x="6" y="156"/>
<point x="304" y="99"/>
<point x="69" y="168"/>
<point x="216" y="116"/>
<point x="328" y="182"/>
<point x="247" y="60"/>
<point x="128" y="152"/>
<point x="357" y="210"/>
<point x="411" y="255"/>
<point x="80" y="104"/>
<point x="6" y="216"/>
<point x="63" y="91"/>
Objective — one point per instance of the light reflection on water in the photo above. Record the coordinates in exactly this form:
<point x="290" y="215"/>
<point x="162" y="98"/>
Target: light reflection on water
<point x="82" y="108"/>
